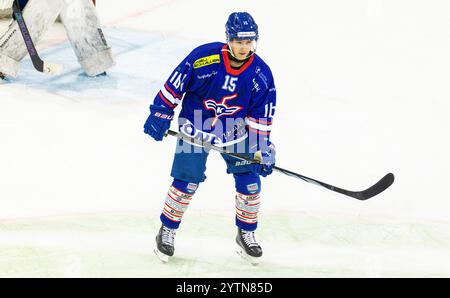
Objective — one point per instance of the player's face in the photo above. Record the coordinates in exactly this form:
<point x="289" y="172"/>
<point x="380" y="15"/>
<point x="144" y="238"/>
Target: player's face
<point x="241" y="48"/>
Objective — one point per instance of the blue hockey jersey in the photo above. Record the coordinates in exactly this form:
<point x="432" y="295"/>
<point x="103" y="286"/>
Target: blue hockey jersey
<point x="220" y="104"/>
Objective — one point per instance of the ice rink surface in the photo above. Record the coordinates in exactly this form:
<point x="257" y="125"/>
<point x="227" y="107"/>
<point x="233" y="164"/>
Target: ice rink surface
<point x="363" y="90"/>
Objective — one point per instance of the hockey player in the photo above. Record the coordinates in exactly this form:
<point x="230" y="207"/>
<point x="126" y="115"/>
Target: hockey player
<point x="228" y="98"/>
<point x="82" y="26"/>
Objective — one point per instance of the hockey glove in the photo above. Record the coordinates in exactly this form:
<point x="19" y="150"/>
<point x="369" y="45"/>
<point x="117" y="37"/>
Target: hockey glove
<point x="158" y="122"/>
<point x="266" y="157"/>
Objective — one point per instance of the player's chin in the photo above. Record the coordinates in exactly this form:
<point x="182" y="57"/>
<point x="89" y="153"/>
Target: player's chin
<point x="242" y="56"/>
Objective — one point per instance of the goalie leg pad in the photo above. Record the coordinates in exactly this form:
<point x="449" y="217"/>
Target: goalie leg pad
<point x="248" y="188"/>
<point x="177" y="201"/>
<point x="6" y="5"/>
<point x="98" y="62"/>
<point x="8" y="66"/>
<point x="83" y="28"/>
<point x="39" y="15"/>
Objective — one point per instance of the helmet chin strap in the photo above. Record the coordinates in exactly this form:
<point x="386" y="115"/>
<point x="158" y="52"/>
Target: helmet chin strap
<point x="252" y="52"/>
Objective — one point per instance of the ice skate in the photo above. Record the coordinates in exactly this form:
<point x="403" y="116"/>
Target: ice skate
<point x="165" y="243"/>
<point x="248" y="248"/>
<point x="2" y="76"/>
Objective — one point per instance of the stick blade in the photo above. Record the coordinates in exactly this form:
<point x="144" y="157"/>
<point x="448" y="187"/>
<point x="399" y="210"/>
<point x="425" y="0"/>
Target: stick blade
<point x="52" y="69"/>
<point x="375" y="189"/>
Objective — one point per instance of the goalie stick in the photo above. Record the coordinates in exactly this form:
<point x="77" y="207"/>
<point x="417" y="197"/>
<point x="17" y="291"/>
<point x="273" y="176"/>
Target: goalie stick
<point x="372" y="191"/>
<point x="42" y="66"/>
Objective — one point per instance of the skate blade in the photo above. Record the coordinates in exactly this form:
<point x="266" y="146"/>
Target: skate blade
<point x="163" y="257"/>
<point x="252" y="260"/>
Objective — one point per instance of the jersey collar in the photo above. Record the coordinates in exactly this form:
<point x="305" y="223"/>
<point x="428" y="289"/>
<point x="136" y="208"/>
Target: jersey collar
<point x="228" y="68"/>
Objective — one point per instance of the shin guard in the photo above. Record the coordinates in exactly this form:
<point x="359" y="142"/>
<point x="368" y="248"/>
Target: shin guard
<point x="248" y="188"/>
<point x="177" y="201"/>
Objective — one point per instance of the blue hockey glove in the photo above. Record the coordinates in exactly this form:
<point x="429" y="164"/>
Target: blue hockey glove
<point x="158" y="122"/>
<point x="266" y="156"/>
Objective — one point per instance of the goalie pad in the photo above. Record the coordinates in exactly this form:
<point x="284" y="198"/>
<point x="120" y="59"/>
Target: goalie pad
<point x="83" y="29"/>
<point x="6" y="4"/>
<point x="8" y="66"/>
<point x="39" y="15"/>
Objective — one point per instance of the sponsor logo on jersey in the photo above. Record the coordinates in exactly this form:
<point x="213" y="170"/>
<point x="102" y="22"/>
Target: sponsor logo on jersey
<point x="238" y="131"/>
<point x="208" y="75"/>
<point x="214" y="137"/>
<point x="264" y="79"/>
<point x="189" y="129"/>
<point x="205" y="61"/>
<point x="221" y="108"/>
<point x="255" y="85"/>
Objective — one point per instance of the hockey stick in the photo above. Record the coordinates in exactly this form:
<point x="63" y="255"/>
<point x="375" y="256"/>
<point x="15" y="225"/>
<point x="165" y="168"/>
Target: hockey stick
<point x="42" y="66"/>
<point x="375" y="189"/>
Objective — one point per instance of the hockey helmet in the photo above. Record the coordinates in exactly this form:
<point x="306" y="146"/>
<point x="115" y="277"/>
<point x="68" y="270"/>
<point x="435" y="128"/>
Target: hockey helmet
<point x="240" y="25"/>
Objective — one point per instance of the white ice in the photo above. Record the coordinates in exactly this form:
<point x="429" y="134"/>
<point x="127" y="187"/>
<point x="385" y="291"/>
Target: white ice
<point x="363" y="90"/>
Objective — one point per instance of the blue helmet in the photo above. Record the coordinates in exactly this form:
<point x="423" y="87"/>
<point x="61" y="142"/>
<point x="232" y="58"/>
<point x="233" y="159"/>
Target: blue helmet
<point x="240" y="25"/>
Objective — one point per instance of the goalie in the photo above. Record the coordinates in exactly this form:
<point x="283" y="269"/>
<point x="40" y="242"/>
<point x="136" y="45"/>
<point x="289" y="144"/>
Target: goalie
<point x="82" y="26"/>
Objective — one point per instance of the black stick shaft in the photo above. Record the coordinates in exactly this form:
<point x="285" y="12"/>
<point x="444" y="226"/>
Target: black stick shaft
<point x="375" y="189"/>
<point x="37" y="61"/>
